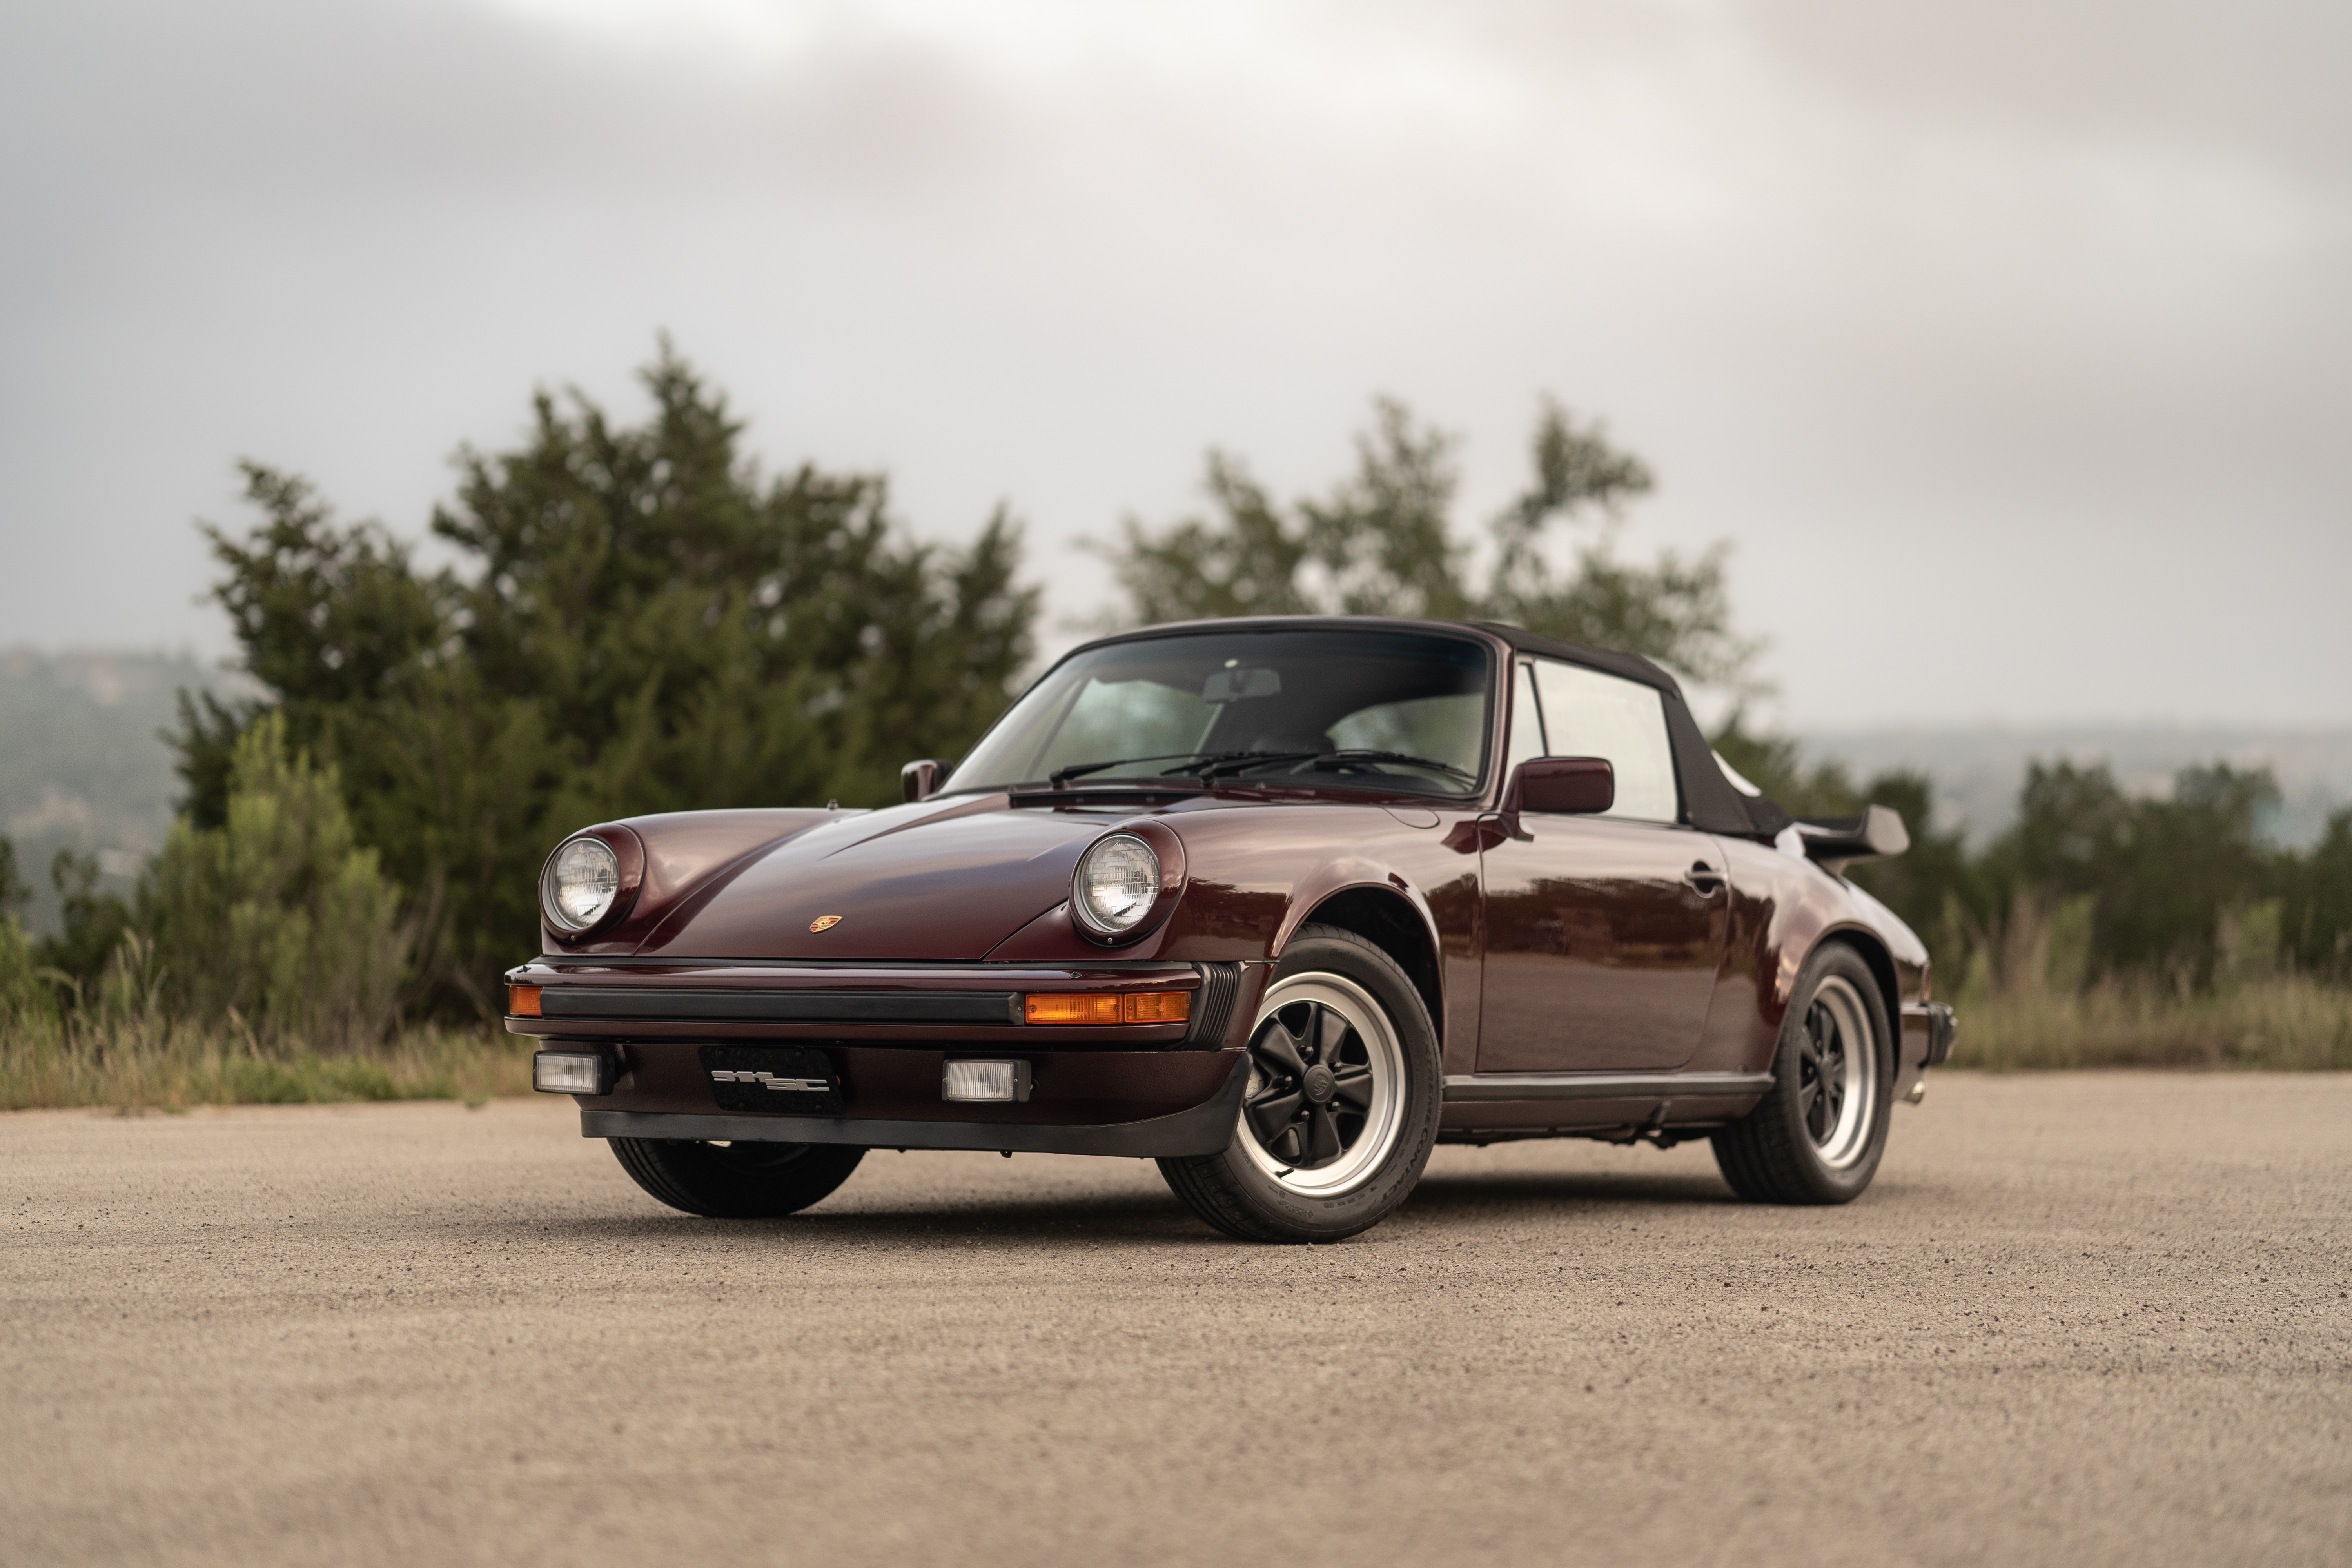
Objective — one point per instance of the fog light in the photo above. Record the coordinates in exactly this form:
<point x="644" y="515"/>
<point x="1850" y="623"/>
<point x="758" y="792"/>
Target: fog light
<point x="572" y="1072"/>
<point x="1000" y="1082"/>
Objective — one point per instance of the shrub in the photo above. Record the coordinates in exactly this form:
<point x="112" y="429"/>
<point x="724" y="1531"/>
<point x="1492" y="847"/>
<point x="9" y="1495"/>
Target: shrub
<point x="277" y="919"/>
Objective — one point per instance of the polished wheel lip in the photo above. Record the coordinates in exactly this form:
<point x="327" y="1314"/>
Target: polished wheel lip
<point x="1837" y="1085"/>
<point x="1384" y="1114"/>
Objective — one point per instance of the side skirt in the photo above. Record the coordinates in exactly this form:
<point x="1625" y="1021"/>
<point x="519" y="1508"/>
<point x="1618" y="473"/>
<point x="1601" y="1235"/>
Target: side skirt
<point x="1527" y="1086"/>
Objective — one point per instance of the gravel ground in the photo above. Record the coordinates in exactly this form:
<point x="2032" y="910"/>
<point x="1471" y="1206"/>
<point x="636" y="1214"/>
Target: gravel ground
<point x="2082" y="1319"/>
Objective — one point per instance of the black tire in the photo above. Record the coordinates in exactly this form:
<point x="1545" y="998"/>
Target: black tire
<point x="1798" y="1145"/>
<point x="1371" y="1157"/>
<point x="736" y="1181"/>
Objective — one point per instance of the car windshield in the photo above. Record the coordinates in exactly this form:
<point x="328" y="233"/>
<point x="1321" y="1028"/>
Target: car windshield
<point x="1390" y="711"/>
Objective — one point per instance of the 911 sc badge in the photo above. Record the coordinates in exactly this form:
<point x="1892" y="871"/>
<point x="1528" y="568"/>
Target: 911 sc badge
<point x="777" y="1079"/>
<point x="770" y="1080"/>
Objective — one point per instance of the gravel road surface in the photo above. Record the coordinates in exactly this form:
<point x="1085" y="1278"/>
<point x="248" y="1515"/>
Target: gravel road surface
<point x="2096" y="1319"/>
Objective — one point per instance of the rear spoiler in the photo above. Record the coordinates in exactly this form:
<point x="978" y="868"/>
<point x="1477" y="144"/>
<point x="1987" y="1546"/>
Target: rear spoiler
<point x="1837" y="842"/>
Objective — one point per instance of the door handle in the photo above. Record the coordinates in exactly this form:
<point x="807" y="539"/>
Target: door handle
<point x="1705" y="880"/>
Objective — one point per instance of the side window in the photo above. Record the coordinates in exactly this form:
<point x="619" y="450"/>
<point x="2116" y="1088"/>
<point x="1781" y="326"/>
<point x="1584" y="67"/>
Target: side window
<point x="1527" y="721"/>
<point x="1589" y="714"/>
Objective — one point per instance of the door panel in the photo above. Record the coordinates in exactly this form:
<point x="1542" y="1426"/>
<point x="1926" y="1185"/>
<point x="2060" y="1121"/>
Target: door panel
<point x="1601" y="945"/>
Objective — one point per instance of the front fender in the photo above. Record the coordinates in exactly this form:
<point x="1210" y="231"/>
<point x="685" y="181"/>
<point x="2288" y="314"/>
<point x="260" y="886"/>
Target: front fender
<point x="1344" y="876"/>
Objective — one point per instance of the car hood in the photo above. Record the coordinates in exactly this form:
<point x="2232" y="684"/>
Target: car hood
<point x="937" y="879"/>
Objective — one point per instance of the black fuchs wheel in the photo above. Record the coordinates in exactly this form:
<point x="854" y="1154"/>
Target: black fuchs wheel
<point x="1342" y="1103"/>
<point x="1818" y="1135"/>
<point x="736" y="1181"/>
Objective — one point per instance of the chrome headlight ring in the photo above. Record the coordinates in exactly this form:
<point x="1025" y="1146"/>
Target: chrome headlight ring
<point x="1125" y="881"/>
<point x="590" y="882"/>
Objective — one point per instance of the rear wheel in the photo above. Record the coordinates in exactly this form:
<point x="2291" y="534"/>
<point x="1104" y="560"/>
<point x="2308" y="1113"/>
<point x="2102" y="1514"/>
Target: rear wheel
<point x="1342" y="1103"/>
<point x="1818" y="1135"/>
<point x="736" y="1181"/>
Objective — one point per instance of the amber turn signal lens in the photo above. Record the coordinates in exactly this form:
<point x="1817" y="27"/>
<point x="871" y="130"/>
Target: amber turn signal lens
<point x="1158" y="1006"/>
<point x="522" y="1001"/>
<point x="1068" y="1009"/>
<point x="1136" y="1007"/>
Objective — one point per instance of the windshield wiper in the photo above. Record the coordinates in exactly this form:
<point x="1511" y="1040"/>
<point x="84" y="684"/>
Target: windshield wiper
<point x="1234" y="762"/>
<point x="1346" y="754"/>
<point x="1061" y="776"/>
<point x="1240" y="762"/>
<point x="1206" y="765"/>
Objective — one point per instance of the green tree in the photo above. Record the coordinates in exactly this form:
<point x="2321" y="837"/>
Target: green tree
<point x="24" y="990"/>
<point x="14" y="894"/>
<point x="1382" y="541"/>
<point x="277" y="915"/>
<point x="93" y="923"/>
<point x="2317" y="918"/>
<point x="2165" y="882"/>
<point x="639" y="620"/>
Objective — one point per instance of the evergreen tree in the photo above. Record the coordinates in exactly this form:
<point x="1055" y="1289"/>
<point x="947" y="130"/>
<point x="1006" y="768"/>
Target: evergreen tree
<point x="639" y="620"/>
<point x="1382" y="541"/>
<point x="278" y="916"/>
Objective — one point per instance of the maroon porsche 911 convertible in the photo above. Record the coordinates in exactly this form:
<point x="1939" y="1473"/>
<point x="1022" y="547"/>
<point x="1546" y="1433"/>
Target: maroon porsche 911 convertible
<point x="1277" y="902"/>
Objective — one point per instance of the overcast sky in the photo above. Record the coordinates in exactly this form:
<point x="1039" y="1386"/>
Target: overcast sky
<point x="2010" y="341"/>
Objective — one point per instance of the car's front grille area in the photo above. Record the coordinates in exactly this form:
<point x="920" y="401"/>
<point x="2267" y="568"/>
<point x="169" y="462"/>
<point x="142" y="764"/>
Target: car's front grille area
<point x="781" y="1006"/>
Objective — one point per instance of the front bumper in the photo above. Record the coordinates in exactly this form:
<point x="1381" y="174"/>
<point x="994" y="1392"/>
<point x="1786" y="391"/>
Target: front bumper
<point x="667" y="1038"/>
<point x="977" y="1005"/>
<point x="1203" y="1129"/>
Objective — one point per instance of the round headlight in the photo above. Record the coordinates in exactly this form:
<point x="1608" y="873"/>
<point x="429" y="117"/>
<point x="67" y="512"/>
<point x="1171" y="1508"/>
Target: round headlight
<point x="1116" y="884"/>
<point x="582" y="880"/>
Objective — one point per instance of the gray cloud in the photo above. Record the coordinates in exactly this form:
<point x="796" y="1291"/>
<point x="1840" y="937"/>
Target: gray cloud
<point x="2005" y="340"/>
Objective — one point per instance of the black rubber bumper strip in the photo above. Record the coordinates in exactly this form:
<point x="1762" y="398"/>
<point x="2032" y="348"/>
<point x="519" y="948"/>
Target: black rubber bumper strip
<point x="1943" y="1028"/>
<point x="781" y="1006"/>
<point x="1205" y="1129"/>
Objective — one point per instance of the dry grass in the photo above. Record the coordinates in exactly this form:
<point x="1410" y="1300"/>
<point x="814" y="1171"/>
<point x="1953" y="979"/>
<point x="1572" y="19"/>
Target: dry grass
<point x="2286" y="1024"/>
<point x="45" y="1063"/>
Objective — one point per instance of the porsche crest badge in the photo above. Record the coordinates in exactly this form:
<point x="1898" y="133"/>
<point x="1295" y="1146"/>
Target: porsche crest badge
<point x="824" y="922"/>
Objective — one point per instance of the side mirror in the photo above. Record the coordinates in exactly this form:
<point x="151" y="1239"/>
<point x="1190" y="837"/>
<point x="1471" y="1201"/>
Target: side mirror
<point x="1568" y="785"/>
<point x="920" y="781"/>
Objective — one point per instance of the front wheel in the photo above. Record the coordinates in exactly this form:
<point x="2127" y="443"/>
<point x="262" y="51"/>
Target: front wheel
<point x="1342" y="1104"/>
<point x="1817" y="1135"/>
<point x="736" y="1181"/>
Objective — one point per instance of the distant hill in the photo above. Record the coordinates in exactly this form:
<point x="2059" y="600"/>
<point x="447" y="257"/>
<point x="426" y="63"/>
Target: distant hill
<point x="81" y="764"/>
<point x="1979" y="771"/>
